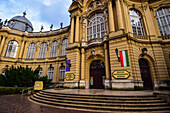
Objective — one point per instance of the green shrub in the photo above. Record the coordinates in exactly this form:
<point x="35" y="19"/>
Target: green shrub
<point x="22" y="77"/>
<point x="10" y="90"/>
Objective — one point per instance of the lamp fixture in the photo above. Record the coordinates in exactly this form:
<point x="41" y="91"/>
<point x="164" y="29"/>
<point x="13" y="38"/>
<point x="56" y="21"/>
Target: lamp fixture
<point x="93" y="52"/>
<point x="117" y="51"/>
<point x="144" y="51"/>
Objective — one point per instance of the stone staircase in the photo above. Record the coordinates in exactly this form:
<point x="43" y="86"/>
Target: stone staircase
<point x="102" y="103"/>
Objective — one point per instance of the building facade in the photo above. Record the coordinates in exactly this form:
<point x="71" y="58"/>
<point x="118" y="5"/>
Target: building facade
<point x="117" y="44"/>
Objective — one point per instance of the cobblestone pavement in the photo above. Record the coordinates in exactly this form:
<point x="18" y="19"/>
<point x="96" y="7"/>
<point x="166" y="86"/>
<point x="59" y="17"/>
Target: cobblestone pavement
<point x="21" y="104"/>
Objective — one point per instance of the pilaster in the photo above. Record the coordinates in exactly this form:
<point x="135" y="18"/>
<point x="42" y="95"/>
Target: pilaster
<point x="119" y="15"/>
<point x="77" y="29"/>
<point x="111" y="18"/>
<point x="72" y="30"/>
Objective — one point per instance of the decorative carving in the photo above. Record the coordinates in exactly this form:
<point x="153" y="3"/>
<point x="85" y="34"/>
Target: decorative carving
<point x="94" y="4"/>
<point x="84" y="22"/>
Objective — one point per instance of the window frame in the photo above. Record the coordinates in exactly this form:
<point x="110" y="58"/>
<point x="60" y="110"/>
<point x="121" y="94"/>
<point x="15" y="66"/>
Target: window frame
<point x="162" y="17"/>
<point x="64" y="46"/>
<point x="62" y="73"/>
<point x="51" y="73"/>
<point x="43" y="51"/>
<point x="31" y="51"/>
<point x="94" y="28"/>
<point x="54" y="48"/>
<point x="137" y="28"/>
<point x="12" y="49"/>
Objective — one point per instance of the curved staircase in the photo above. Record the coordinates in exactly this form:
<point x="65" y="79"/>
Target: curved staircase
<point x="102" y="103"/>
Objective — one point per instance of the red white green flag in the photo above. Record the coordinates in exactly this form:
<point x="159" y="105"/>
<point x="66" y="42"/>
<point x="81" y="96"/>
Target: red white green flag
<point x="124" y="58"/>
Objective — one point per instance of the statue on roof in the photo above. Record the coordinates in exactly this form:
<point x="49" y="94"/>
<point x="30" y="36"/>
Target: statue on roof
<point x="42" y="27"/>
<point x="51" y="27"/>
<point x="24" y="13"/>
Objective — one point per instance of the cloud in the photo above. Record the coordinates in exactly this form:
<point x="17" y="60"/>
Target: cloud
<point x="47" y="2"/>
<point x="39" y="12"/>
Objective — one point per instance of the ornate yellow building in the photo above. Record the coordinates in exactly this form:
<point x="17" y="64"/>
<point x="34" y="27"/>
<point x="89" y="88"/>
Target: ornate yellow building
<point x="118" y="44"/>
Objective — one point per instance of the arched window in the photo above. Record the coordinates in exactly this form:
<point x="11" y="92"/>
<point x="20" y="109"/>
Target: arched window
<point x="163" y="20"/>
<point x="96" y="26"/>
<point x="12" y="49"/>
<point x="53" y="52"/>
<point x="31" y="51"/>
<point x="43" y="50"/>
<point x="136" y="22"/>
<point x="62" y="73"/>
<point x="40" y="72"/>
<point x="64" y="46"/>
<point x="50" y="73"/>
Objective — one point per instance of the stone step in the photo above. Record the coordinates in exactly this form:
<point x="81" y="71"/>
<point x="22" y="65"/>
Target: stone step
<point x="101" y="98"/>
<point x="93" y="95"/>
<point x="119" y="100"/>
<point x="101" y="108"/>
<point x="102" y="103"/>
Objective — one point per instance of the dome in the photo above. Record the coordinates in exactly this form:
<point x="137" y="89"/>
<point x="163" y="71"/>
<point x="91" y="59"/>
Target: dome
<point x="21" y="23"/>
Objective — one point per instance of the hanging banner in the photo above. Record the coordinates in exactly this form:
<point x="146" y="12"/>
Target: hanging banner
<point x="70" y="76"/>
<point x="121" y="74"/>
<point x="68" y="65"/>
<point x="124" y="58"/>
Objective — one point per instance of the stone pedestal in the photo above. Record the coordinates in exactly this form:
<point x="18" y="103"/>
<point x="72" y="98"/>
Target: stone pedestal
<point x="122" y="84"/>
<point x="71" y="84"/>
<point x="107" y="84"/>
<point x="82" y="84"/>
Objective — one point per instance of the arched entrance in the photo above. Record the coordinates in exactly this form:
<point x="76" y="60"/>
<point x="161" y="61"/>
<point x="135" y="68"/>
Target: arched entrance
<point x="97" y="74"/>
<point x="145" y="73"/>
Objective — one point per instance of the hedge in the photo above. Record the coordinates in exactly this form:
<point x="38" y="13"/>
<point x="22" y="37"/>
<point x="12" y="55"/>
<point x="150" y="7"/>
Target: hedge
<point x="11" y="90"/>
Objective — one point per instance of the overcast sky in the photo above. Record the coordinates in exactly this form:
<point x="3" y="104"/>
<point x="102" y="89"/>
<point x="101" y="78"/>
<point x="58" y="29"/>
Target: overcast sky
<point x="39" y="12"/>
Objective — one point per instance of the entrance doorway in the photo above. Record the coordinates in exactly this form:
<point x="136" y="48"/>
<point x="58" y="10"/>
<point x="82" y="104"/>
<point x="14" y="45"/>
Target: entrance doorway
<point x="97" y="74"/>
<point x="145" y="73"/>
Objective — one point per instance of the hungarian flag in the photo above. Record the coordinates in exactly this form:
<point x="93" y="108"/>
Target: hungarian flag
<point x="124" y="59"/>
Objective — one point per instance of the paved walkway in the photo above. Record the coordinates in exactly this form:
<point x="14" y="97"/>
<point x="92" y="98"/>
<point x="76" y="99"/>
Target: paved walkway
<point x="101" y="92"/>
<point x="21" y="104"/>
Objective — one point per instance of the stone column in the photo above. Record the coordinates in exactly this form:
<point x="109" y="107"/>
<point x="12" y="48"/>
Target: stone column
<point x="119" y="15"/>
<point x="22" y="48"/>
<point x="72" y="30"/>
<point x="2" y="44"/>
<point x="107" y="81"/>
<point x="77" y="29"/>
<point x="111" y="18"/>
<point x="82" y="81"/>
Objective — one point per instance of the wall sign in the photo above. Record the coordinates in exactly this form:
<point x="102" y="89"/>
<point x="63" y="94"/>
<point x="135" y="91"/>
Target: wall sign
<point x="38" y="85"/>
<point x="70" y="76"/>
<point x="121" y="74"/>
